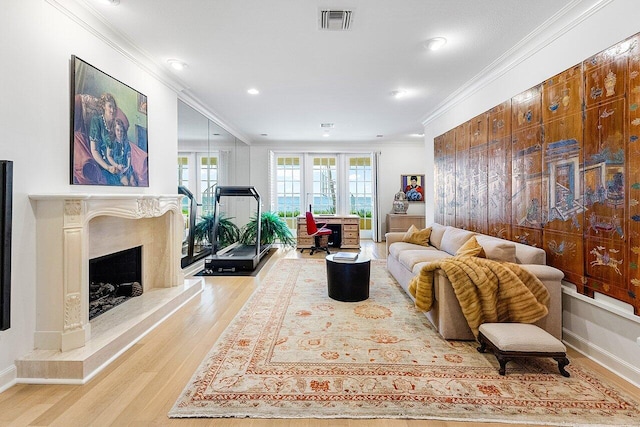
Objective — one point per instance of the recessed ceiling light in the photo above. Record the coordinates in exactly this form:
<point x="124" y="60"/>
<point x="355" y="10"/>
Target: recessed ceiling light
<point x="253" y="91"/>
<point x="398" y="93"/>
<point x="379" y="135"/>
<point x="176" y="64"/>
<point x="418" y="135"/>
<point x="111" y="2"/>
<point x="435" y="43"/>
<point x="326" y="134"/>
<point x="264" y="134"/>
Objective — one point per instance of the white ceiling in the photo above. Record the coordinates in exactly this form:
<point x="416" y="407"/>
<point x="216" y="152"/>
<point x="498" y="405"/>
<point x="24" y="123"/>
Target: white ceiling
<point x="307" y="77"/>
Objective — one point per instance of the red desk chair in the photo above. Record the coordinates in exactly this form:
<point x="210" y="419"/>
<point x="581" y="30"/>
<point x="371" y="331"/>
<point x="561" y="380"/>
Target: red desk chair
<point x="320" y="235"/>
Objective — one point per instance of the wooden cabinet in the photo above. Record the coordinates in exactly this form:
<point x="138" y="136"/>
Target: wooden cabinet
<point x="348" y="225"/>
<point x="402" y="222"/>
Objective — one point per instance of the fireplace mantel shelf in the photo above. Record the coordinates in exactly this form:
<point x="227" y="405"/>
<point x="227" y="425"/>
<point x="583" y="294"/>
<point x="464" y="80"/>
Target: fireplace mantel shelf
<point x="122" y="205"/>
<point x="57" y="196"/>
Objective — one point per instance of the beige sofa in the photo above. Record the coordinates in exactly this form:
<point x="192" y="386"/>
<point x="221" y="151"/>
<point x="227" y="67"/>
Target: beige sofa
<point x="404" y="261"/>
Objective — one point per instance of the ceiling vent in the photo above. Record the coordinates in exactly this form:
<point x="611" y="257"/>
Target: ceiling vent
<point x="336" y="20"/>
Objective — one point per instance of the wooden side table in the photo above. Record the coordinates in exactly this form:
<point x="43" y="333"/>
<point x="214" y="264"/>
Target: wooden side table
<point x="348" y="281"/>
<point x="402" y="222"/>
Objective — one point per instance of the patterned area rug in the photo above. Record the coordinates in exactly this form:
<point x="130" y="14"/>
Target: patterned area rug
<point x="292" y="352"/>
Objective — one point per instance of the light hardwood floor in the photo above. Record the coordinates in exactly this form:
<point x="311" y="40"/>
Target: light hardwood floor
<point x="140" y="387"/>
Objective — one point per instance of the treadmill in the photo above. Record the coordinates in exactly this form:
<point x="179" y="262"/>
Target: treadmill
<point x="237" y="256"/>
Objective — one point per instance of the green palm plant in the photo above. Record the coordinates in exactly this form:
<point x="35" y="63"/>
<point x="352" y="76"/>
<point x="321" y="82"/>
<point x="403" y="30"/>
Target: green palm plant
<point x="272" y="228"/>
<point x="228" y="232"/>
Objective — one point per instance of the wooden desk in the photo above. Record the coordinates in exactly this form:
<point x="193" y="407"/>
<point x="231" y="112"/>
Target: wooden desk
<point x="349" y="228"/>
<point x="402" y="222"/>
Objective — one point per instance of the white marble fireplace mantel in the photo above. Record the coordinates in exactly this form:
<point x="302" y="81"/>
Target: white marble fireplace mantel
<point x="73" y="228"/>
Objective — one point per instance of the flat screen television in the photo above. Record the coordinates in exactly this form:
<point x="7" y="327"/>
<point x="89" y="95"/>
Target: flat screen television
<point x="6" y="188"/>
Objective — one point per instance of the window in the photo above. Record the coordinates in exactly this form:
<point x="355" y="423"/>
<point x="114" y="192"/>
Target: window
<point x="183" y="179"/>
<point x="288" y="182"/>
<point x="208" y="179"/>
<point x="331" y="183"/>
<point x="183" y="171"/>
<point x="323" y="197"/>
<point x="360" y="190"/>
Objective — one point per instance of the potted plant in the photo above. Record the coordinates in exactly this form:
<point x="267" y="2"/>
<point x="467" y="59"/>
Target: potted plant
<point x="272" y="228"/>
<point x="228" y="232"/>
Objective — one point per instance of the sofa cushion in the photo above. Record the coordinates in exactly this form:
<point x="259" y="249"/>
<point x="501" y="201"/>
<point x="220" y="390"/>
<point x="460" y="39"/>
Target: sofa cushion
<point x="453" y="238"/>
<point x="498" y="249"/>
<point x="410" y="258"/>
<point x="437" y="231"/>
<point x="472" y="248"/>
<point x="417" y="236"/>
<point x="436" y="256"/>
<point x="396" y="248"/>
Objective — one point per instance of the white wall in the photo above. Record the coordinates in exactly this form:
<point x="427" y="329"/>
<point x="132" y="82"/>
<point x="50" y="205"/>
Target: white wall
<point x="395" y="159"/>
<point x="605" y="334"/>
<point x="37" y="43"/>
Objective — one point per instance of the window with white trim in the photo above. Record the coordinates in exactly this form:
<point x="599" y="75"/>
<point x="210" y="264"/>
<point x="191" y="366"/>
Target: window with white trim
<point x="361" y="190"/>
<point x="341" y="183"/>
<point x="208" y="180"/>
<point x="324" y="197"/>
<point x="288" y="180"/>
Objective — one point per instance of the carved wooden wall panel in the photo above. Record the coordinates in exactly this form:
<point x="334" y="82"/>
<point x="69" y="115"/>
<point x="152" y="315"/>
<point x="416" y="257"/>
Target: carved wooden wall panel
<point x="605" y="172"/>
<point x="565" y="206"/>
<point x="562" y="94"/>
<point x="527" y="192"/>
<point x="526" y="109"/>
<point x="526" y="177"/>
<point x="563" y="217"/>
<point x="564" y="210"/>
<point x="462" y="175"/>
<point x="562" y="167"/>
<point x="449" y="169"/>
<point x="438" y="179"/>
<point x="499" y="171"/>
<point x="633" y="172"/>
<point x="478" y="170"/>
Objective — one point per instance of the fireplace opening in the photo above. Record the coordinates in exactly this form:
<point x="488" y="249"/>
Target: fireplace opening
<point x="113" y="279"/>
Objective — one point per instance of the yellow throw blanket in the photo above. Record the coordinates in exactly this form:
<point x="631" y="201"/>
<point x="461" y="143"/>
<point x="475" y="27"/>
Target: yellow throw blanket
<point x="488" y="291"/>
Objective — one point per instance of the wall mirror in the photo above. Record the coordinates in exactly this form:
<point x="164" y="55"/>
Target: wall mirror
<point x="208" y="155"/>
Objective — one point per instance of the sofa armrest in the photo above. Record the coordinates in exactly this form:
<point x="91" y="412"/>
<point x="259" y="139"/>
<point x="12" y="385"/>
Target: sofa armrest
<point x="551" y="278"/>
<point x="392" y="237"/>
<point x="448" y="318"/>
<point x="545" y="273"/>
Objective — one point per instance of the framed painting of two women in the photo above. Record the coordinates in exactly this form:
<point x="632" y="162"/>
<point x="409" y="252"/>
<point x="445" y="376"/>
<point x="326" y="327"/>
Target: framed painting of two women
<point x="109" y="130"/>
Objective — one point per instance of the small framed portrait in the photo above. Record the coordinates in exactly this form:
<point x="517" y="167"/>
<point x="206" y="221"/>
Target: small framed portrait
<point x="413" y="187"/>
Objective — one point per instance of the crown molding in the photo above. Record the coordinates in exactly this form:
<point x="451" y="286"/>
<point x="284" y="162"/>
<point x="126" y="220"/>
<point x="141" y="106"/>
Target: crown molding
<point x="552" y="29"/>
<point x="86" y="16"/>
<point x="187" y="97"/>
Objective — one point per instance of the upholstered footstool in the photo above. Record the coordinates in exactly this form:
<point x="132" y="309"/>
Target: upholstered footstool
<point x="515" y="340"/>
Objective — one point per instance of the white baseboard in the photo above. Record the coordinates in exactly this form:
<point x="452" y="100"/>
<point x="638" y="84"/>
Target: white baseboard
<point x="8" y="378"/>
<point x="603" y="357"/>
